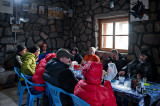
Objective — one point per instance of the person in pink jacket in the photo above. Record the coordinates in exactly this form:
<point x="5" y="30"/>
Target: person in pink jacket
<point x="90" y="89"/>
<point x="40" y="68"/>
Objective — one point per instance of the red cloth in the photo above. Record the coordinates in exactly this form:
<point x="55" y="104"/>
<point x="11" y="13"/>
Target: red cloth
<point x="90" y="90"/>
<point x="40" y="68"/>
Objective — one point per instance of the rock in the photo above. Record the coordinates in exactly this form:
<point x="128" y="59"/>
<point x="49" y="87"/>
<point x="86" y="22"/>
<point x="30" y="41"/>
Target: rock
<point x="7" y="40"/>
<point x="53" y="35"/>
<point x="20" y="38"/>
<point x="60" y="43"/>
<point x="4" y="24"/>
<point x="36" y="38"/>
<point x="153" y="5"/>
<point x="42" y="21"/>
<point x="10" y="48"/>
<point x="98" y="10"/>
<point x="1" y="30"/>
<point x="83" y="37"/>
<point x="95" y="6"/>
<point x="84" y="45"/>
<point x="151" y="39"/>
<point x="48" y="42"/>
<point x="156" y="56"/>
<point x="136" y="51"/>
<point x="53" y="43"/>
<point x="51" y="21"/>
<point x="79" y="3"/>
<point x="37" y="26"/>
<point x="30" y="42"/>
<point x="149" y="27"/>
<point x="139" y="28"/>
<point x="43" y="35"/>
<point x="133" y="37"/>
<point x="7" y="31"/>
<point x="46" y="29"/>
<point x="52" y="28"/>
<point x="88" y="31"/>
<point x="36" y="33"/>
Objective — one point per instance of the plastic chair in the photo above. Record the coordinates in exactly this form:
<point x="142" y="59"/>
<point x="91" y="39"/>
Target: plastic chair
<point x="55" y="94"/>
<point x="32" y="93"/>
<point x="78" y="101"/>
<point x="21" y="88"/>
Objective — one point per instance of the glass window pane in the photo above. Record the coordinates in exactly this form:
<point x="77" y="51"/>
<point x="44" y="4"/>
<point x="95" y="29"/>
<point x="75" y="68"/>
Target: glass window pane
<point x="107" y="42"/>
<point x="121" y="42"/>
<point x="121" y="28"/>
<point x="107" y="28"/>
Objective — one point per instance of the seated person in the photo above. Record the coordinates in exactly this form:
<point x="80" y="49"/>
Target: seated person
<point x="29" y="60"/>
<point x="40" y="68"/>
<point x="57" y="73"/>
<point x="90" y="89"/>
<point x="141" y="67"/>
<point x="90" y="56"/>
<point x="18" y="58"/>
<point x="116" y="58"/>
<point x="43" y="52"/>
<point x="76" y="56"/>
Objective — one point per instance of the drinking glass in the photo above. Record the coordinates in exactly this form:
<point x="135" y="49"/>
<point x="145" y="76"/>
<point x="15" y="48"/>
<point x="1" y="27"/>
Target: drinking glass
<point x="121" y="79"/>
<point x="145" y="79"/>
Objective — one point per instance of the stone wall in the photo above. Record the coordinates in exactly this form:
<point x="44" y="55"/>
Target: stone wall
<point x="57" y="33"/>
<point x="142" y="34"/>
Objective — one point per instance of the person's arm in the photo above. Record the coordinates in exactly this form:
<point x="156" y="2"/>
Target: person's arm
<point x="80" y="58"/>
<point x="27" y="65"/>
<point x="67" y="80"/>
<point x="19" y="60"/>
<point x="97" y="59"/>
<point x="120" y="63"/>
<point x="127" y="68"/>
<point x="84" y="59"/>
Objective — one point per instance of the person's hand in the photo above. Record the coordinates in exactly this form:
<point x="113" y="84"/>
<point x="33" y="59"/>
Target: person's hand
<point x="121" y="73"/>
<point x="139" y="76"/>
<point x="37" y="58"/>
<point x="117" y="57"/>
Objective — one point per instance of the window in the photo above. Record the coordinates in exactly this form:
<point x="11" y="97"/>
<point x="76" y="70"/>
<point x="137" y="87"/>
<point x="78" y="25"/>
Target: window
<point x="114" y="34"/>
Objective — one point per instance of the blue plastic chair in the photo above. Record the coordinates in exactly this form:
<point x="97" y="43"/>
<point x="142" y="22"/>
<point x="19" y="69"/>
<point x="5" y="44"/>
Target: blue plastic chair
<point x="55" y="94"/>
<point x="78" y="101"/>
<point x="32" y="93"/>
<point x="21" y="88"/>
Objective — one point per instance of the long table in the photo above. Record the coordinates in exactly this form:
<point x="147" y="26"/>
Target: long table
<point x="147" y="99"/>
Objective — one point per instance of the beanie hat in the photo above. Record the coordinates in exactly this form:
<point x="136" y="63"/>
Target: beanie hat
<point x="63" y="53"/>
<point x="21" y="47"/>
<point x="34" y="48"/>
<point x="42" y="45"/>
<point x="93" y="49"/>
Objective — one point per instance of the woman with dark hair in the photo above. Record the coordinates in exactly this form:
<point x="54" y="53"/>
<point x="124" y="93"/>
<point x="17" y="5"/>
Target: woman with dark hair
<point x="76" y="56"/>
<point x="43" y="52"/>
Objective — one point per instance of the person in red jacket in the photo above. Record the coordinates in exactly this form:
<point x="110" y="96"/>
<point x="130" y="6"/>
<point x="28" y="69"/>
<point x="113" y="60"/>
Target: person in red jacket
<point x="40" y="68"/>
<point x="90" y="89"/>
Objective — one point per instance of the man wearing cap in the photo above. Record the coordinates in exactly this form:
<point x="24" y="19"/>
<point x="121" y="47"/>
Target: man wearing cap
<point x="58" y="74"/>
<point x="21" y="49"/>
<point x="141" y="67"/>
<point x="90" y="56"/>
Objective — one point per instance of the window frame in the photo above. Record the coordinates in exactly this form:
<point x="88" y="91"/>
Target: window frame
<point x="100" y="33"/>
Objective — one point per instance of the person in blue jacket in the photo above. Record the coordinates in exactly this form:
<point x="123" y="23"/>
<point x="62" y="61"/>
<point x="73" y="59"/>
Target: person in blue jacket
<point x="43" y="52"/>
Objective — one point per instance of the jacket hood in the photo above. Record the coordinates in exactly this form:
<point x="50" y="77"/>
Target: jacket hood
<point x="28" y="54"/>
<point x="92" y="72"/>
<point x="50" y="56"/>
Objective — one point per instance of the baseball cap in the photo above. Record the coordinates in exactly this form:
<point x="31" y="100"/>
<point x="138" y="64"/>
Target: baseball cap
<point x="63" y="53"/>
